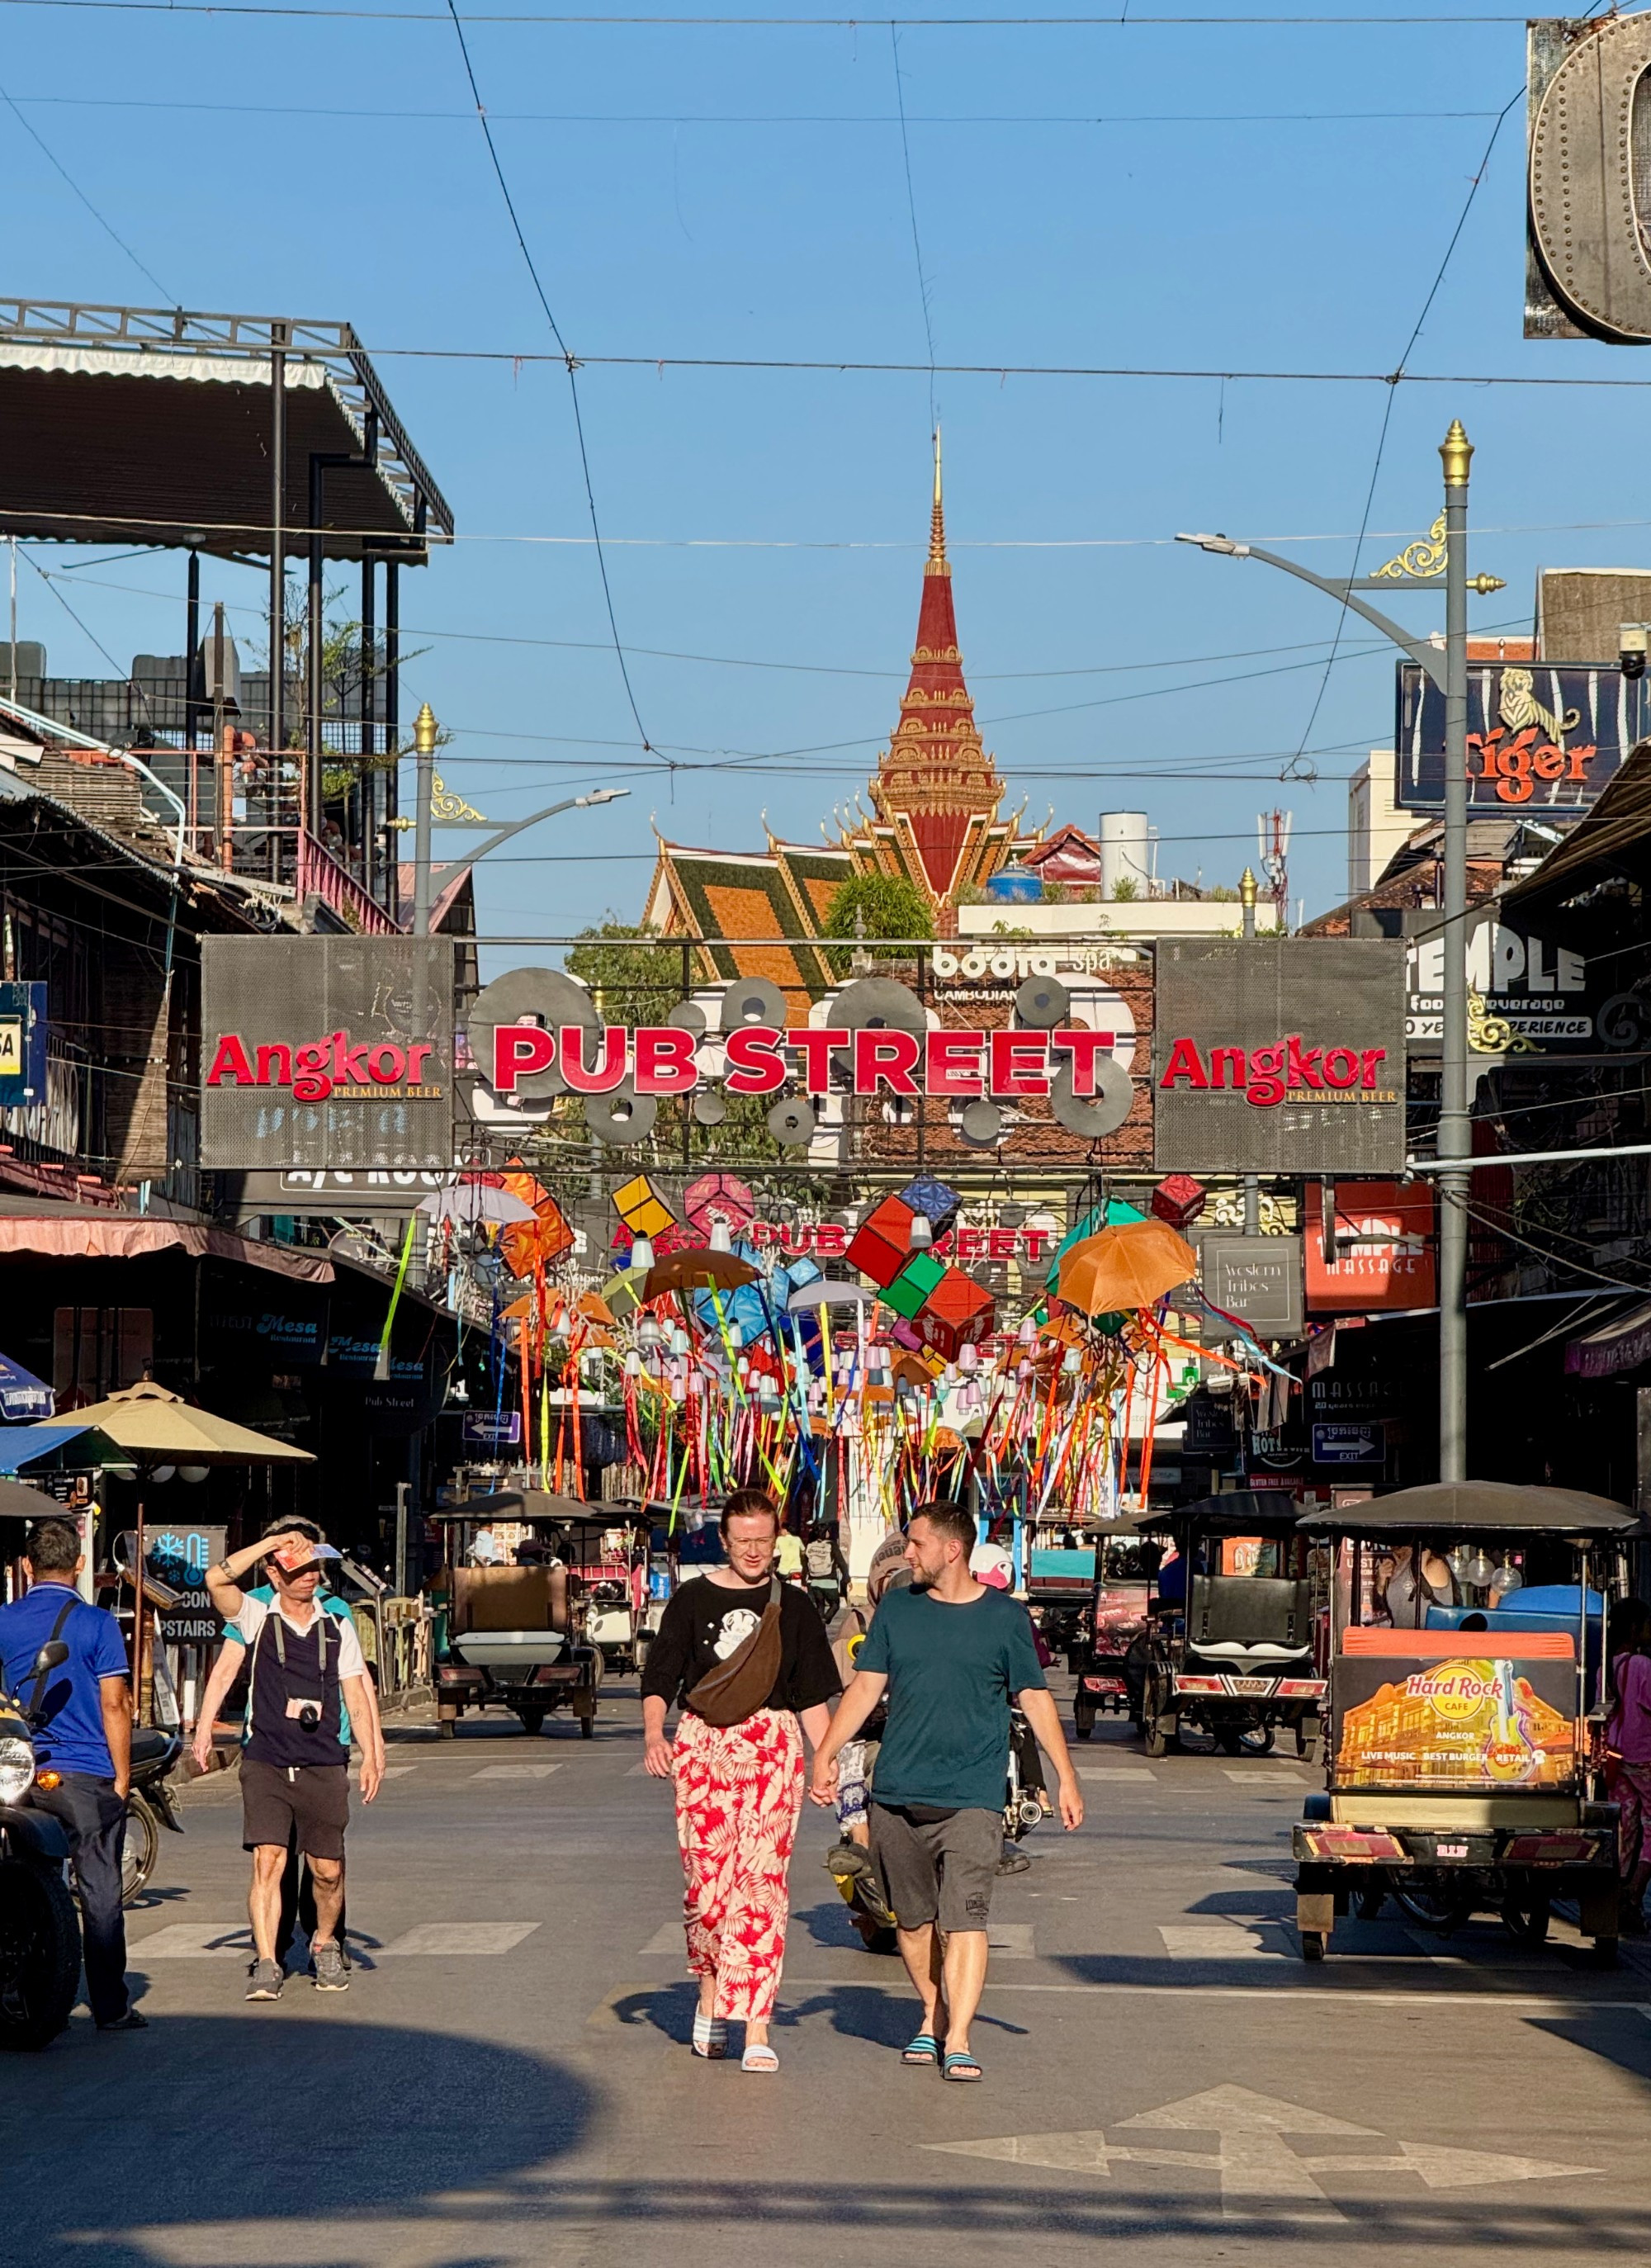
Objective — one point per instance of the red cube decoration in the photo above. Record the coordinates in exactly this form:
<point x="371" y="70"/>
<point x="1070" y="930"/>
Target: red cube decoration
<point x="957" y="1313"/>
<point x="882" y="1244"/>
<point x="1179" y="1200"/>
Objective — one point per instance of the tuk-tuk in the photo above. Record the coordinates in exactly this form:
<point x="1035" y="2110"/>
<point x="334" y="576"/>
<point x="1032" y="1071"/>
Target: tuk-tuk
<point x="1114" y="1624"/>
<point x="1467" y="1683"/>
<point x="515" y="1631"/>
<point x="1229" y="1649"/>
<point x="1060" y="1586"/>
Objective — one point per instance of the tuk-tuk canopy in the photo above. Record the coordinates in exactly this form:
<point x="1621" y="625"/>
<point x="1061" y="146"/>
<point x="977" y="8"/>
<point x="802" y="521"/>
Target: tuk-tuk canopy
<point x="1476" y="1508"/>
<point x="1240" y="1512"/>
<point x="531" y="1505"/>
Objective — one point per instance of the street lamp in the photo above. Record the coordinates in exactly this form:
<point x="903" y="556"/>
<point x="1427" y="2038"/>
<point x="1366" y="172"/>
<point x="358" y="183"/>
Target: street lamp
<point x="438" y="806"/>
<point x="1422" y="566"/>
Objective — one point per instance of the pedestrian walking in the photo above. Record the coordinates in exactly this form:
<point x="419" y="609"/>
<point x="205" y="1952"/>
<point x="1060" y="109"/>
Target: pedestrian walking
<point x="748" y="1657"/>
<point x="304" y="1666"/>
<point x="297" y="1883"/>
<point x="84" y="1736"/>
<point x="951" y="1654"/>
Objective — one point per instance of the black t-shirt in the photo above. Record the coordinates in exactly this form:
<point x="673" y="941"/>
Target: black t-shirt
<point x="705" y="1621"/>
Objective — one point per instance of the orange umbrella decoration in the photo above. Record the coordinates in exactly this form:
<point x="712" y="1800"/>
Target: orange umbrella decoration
<point x="1130" y="1265"/>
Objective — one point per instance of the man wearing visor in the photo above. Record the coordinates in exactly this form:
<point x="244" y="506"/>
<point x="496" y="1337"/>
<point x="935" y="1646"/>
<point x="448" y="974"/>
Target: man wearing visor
<point x="304" y="1666"/>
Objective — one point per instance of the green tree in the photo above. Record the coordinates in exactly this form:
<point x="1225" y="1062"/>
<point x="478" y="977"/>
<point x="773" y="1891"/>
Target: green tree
<point x="873" y="906"/>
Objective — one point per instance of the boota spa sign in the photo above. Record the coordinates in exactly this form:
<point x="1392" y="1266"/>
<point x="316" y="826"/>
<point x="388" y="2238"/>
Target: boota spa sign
<point x="1280" y="1054"/>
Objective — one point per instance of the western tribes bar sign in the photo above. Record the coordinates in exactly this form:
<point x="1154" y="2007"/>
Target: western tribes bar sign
<point x="1282" y="1055"/>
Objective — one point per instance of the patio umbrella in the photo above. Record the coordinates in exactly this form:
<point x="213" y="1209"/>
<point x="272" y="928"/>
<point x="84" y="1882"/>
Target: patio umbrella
<point x="475" y="1204"/>
<point x="822" y="1292"/>
<point x="22" y="1395"/>
<point x="698" y="1271"/>
<point x="1130" y="1265"/>
<point x="156" y="1426"/>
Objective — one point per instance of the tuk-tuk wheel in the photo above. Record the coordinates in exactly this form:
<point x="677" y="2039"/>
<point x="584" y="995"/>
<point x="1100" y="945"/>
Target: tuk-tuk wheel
<point x="1153" y="1736"/>
<point x="1083" y="1719"/>
<point x="587" y="1727"/>
<point x="533" y="1720"/>
<point x="1315" y="1945"/>
<point x="448" y="1728"/>
<point x="1604" y="1952"/>
<point x="1527" y="1914"/>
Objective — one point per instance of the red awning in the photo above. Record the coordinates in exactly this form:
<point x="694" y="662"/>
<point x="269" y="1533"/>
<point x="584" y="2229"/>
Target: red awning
<point x="69" y="1236"/>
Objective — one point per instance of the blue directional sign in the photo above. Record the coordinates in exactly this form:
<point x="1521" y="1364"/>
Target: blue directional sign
<point x="1349" y="1445"/>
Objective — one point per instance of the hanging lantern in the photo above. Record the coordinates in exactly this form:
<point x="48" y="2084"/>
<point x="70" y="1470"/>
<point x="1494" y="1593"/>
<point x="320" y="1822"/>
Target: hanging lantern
<point x="1029" y="1331"/>
<point x="1072" y="1360"/>
<point x="642" y="1252"/>
<point x="721" y="1240"/>
<point x="680" y="1343"/>
<point x="1480" y="1568"/>
<point x="633" y="1364"/>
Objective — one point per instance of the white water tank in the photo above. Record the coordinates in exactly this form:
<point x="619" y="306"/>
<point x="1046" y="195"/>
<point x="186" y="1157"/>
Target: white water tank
<point x="1123" y="853"/>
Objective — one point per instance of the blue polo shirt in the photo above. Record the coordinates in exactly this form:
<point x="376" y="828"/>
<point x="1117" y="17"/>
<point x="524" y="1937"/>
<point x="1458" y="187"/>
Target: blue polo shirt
<point x="70" y="1737"/>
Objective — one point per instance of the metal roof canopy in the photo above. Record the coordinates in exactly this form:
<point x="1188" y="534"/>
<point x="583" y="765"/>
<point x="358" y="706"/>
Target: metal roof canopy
<point x="152" y="425"/>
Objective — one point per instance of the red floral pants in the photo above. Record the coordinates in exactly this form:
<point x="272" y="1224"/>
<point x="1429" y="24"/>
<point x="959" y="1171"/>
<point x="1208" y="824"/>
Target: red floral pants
<point x="739" y="1793"/>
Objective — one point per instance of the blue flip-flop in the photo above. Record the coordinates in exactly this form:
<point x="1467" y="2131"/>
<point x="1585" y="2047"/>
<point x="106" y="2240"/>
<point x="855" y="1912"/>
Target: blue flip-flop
<point x="924" y="2049"/>
<point x="959" y="2064"/>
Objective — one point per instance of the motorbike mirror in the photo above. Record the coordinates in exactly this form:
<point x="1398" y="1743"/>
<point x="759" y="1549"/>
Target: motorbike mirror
<point x="50" y="1657"/>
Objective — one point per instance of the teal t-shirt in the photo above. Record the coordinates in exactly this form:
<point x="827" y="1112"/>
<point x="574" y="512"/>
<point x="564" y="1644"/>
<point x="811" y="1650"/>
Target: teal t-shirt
<point x="951" y="1670"/>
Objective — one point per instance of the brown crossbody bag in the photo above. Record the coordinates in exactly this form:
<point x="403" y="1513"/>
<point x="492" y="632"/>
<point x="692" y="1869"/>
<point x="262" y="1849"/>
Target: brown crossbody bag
<point x="739" y="1687"/>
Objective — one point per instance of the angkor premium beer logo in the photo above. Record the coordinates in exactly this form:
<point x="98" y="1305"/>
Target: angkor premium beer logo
<point x="1285" y="1069"/>
<point x="316" y="1070"/>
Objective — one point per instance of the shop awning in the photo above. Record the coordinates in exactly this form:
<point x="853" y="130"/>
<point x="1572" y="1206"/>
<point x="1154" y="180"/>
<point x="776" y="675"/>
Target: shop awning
<point x="67" y="1235"/>
<point x="1621" y="1344"/>
<point x="22" y="1395"/>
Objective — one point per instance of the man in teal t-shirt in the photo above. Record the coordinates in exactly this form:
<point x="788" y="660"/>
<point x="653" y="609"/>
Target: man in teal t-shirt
<point x="952" y="1655"/>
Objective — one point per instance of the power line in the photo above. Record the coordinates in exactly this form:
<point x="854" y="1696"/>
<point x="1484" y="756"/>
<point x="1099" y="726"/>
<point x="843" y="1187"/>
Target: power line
<point x="58" y="166"/>
<point x="1109" y="119"/>
<point x="1387" y="409"/>
<point x="569" y="362"/>
<point x="910" y="207"/>
<point x="780" y="23"/>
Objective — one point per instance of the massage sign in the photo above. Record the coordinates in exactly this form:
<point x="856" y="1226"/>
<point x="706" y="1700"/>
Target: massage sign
<point x="1282" y="1055"/>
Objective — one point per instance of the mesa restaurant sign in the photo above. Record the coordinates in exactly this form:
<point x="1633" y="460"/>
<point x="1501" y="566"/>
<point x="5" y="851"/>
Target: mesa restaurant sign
<point x="1279" y="1056"/>
<point x="333" y="1053"/>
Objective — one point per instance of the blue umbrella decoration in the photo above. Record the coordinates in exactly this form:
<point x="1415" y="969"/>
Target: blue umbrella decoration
<point x="23" y="1397"/>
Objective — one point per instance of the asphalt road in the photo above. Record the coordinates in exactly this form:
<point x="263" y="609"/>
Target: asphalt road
<point x="508" y="2083"/>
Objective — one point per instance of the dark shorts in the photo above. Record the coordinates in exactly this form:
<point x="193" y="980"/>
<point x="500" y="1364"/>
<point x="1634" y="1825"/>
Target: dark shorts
<point x="314" y="1800"/>
<point x="942" y="1871"/>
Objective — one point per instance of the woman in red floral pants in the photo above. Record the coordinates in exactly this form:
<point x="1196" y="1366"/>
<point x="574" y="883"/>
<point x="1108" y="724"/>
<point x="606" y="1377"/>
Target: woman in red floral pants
<point x="739" y="1787"/>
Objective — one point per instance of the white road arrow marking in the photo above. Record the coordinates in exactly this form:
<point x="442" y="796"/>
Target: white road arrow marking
<point x="1451" y="2169"/>
<point x="1259" y="2172"/>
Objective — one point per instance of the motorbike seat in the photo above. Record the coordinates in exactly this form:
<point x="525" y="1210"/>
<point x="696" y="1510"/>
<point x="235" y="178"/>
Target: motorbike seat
<point x="149" y="1744"/>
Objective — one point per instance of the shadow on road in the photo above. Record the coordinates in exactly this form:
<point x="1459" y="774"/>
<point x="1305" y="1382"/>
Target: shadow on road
<point x="279" y="2114"/>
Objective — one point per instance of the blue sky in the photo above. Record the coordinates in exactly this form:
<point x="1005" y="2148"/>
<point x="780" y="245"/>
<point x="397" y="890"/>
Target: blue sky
<point x="1258" y="197"/>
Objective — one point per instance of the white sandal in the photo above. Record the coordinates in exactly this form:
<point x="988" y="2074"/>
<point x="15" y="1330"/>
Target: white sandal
<point x="710" y="2037"/>
<point x="759" y="2058"/>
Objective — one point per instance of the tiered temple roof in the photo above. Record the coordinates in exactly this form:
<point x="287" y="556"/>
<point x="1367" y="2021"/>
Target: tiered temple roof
<point x="936" y="800"/>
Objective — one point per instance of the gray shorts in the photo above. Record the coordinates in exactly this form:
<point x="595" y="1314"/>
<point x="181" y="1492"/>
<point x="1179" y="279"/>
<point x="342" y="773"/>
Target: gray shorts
<point x="942" y="1871"/>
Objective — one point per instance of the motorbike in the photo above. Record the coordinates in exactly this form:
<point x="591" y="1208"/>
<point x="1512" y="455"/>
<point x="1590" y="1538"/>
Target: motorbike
<point x="40" y="1931"/>
<point x="149" y="1808"/>
<point x="1025" y="1805"/>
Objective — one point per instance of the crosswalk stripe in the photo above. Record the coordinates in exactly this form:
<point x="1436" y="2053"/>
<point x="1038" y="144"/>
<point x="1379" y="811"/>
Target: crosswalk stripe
<point x="1138" y="1773"/>
<point x="195" y="1940"/>
<point x="436" y="1938"/>
<point x="515" y="1771"/>
<point x="1216" y="1942"/>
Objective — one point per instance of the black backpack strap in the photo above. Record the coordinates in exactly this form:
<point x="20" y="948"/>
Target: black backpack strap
<point x="40" y="1675"/>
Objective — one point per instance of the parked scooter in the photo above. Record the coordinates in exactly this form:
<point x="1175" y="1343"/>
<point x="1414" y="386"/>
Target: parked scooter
<point x="1025" y="1805"/>
<point x="149" y="1808"/>
<point x="40" y="1931"/>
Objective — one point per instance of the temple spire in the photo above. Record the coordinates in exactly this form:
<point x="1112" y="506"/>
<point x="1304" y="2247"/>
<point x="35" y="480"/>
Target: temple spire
<point x="938" y="564"/>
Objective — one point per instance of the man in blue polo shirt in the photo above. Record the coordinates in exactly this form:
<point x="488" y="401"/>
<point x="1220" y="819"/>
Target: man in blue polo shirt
<point x="84" y="1736"/>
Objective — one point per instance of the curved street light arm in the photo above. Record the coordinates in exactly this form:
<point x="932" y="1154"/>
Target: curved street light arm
<point x="1427" y="658"/>
<point x="504" y="834"/>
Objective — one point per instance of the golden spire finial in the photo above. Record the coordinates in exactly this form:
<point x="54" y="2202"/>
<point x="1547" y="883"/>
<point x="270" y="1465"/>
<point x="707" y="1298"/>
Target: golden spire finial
<point x="937" y="562"/>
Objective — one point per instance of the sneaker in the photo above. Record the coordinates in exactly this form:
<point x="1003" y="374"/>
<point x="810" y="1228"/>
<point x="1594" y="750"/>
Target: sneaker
<point x="330" y="1976"/>
<point x="1013" y="1861"/>
<point x="265" y="1980"/>
<point x="847" y="1860"/>
<point x="131" y="2021"/>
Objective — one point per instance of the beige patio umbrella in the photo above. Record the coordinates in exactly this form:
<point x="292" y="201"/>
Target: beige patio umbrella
<point x="159" y="1427"/>
<point x="155" y="1427"/>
